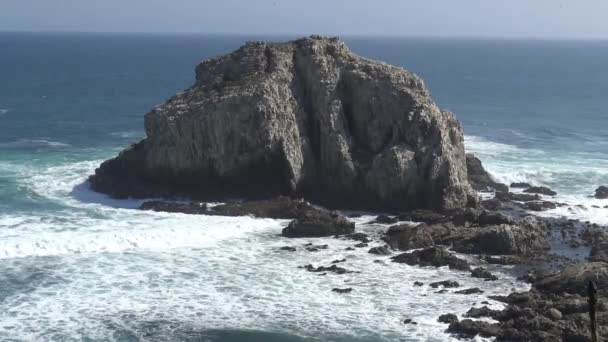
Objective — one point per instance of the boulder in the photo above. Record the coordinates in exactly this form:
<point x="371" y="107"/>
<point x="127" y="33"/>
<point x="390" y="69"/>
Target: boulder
<point x="526" y="237"/>
<point x="385" y="219"/>
<point x="303" y="118"/>
<point x="433" y="256"/>
<point x="543" y="190"/>
<point x="540" y="205"/>
<point x="445" y="284"/>
<point x="522" y="185"/>
<point x="447" y="318"/>
<point x="574" y="279"/>
<point x="469" y="328"/>
<point x="481" y="312"/>
<point x="318" y="224"/>
<point x="482" y="273"/>
<point x="381" y="250"/>
<point x="406" y="237"/>
<point x="601" y="192"/>
<point x="479" y="178"/>
<point x="509" y="196"/>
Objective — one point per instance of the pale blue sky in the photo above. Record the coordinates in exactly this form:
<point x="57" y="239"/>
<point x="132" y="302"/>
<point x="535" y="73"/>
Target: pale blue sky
<point x="445" y="18"/>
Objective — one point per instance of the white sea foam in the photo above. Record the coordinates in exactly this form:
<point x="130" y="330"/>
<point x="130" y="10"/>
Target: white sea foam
<point x="29" y="143"/>
<point x="3" y="111"/>
<point x="102" y="269"/>
<point x="574" y="176"/>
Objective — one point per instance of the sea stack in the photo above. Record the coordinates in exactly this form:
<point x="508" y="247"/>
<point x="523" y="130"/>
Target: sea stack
<point x="306" y="118"/>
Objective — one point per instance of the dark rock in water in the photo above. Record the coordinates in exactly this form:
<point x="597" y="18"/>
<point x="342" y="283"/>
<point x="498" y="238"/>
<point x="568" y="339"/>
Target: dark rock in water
<point x="418" y="284"/>
<point x="347" y="290"/>
<point x="288" y="248"/>
<point x="543" y="190"/>
<point x="601" y="192"/>
<point x="445" y="284"/>
<point x="501" y="260"/>
<point x="573" y="279"/>
<point x="409" y="321"/>
<point x="316" y="248"/>
<point x="332" y="268"/>
<point x="481" y="312"/>
<point x="469" y="328"/>
<point x="362" y="237"/>
<point x="426" y="216"/>
<point x="433" y="256"/>
<point x="406" y="237"/>
<point x="469" y="291"/>
<point x="175" y="207"/>
<point x="338" y="261"/>
<point x="251" y="126"/>
<point x="479" y="178"/>
<point x="526" y="237"/>
<point x="480" y="217"/>
<point x="482" y="273"/>
<point x="361" y="245"/>
<point x="317" y="224"/>
<point x="447" y="318"/>
<point x="384" y="219"/>
<point x="540" y="205"/>
<point x="509" y="196"/>
<point x="521" y="185"/>
<point x="349" y="249"/>
<point x="381" y="250"/>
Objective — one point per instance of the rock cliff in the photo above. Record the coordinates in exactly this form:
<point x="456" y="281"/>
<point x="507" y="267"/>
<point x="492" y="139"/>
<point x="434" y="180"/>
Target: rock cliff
<point x="304" y="118"/>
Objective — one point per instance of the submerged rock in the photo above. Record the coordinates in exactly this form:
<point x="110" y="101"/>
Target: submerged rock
<point x="346" y="290"/>
<point x="303" y="118"/>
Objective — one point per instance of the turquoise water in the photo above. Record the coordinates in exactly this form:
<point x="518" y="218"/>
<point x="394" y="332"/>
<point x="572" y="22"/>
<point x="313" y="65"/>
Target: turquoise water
<point x="79" y="266"/>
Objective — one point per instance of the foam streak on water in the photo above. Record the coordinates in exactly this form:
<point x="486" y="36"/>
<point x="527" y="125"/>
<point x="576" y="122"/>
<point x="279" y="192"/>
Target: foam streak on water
<point x="574" y="176"/>
<point x="110" y="273"/>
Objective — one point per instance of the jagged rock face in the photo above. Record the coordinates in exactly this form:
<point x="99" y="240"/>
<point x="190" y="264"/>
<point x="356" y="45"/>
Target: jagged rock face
<point x="307" y="118"/>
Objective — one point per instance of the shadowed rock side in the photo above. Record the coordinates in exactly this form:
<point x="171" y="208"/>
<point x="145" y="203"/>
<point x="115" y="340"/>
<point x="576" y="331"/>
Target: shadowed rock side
<point x="306" y="118"/>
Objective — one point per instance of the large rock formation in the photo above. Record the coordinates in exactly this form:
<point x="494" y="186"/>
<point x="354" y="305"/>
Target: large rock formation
<point x="306" y="118"/>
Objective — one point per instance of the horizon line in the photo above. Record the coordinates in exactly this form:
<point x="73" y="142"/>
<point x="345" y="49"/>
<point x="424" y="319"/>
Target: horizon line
<point x="287" y="35"/>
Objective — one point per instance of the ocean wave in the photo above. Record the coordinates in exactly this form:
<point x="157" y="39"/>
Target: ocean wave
<point x="128" y="134"/>
<point x="33" y="143"/>
<point x="4" y="111"/>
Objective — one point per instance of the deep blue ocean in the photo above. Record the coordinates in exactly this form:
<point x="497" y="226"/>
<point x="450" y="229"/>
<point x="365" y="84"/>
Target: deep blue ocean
<point x="79" y="266"/>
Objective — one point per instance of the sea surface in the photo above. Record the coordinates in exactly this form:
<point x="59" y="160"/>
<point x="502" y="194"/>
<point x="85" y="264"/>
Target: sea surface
<point x="78" y="266"/>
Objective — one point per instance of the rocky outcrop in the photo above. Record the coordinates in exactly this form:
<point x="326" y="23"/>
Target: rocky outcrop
<point x="543" y="190"/>
<point x="304" y="118"/>
<point x="318" y="224"/>
<point x="433" y="256"/>
<point x="601" y="192"/>
<point x="479" y="178"/>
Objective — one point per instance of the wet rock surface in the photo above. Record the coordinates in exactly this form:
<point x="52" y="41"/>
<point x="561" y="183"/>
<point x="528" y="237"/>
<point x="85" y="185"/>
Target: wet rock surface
<point x="433" y="256"/>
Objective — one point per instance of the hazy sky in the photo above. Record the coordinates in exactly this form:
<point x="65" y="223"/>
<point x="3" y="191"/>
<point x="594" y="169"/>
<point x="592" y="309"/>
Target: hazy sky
<point x="445" y="18"/>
